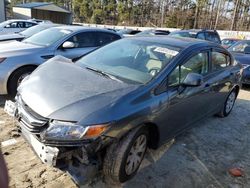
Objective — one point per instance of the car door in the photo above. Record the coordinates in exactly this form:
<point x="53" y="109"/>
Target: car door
<point x="221" y="78"/>
<point x="84" y="42"/>
<point x="186" y="104"/>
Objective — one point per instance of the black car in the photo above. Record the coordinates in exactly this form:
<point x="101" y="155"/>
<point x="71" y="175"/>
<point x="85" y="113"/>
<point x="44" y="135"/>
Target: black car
<point x="241" y="53"/>
<point x="128" y="31"/>
<point x="204" y="34"/>
<point x="103" y="111"/>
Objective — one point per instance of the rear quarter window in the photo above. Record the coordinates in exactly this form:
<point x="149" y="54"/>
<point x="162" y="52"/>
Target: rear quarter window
<point x="220" y="61"/>
<point x="210" y="36"/>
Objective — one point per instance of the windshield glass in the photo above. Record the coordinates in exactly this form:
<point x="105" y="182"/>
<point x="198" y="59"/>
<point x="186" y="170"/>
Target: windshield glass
<point x="183" y="34"/>
<point x="33" y="30"/>
<point x="239" y="46"/>
<point x="47" y="37"/>
<point x="133" y="61"/>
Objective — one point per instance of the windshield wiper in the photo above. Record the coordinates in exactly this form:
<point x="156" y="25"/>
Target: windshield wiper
<point x="103" y="74"/>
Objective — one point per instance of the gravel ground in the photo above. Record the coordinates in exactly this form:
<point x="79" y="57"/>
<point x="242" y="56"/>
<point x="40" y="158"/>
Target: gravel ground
<point x="201" y="157"/>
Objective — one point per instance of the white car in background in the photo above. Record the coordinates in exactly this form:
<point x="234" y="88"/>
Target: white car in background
<point x="41" y="21"/>
<point x="15" y="26"/>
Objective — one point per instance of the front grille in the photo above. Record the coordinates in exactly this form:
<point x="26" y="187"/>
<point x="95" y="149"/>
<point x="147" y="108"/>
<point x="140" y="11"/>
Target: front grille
<point x="32" y="121"/>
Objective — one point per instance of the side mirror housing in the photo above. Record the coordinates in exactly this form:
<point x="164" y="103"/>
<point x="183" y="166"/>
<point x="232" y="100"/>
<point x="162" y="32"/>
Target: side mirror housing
<point x="68" y="45"/>
<point x="247" y="50"/>
<point x="193" y="80"/>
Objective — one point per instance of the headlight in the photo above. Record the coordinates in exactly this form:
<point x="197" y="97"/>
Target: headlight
<point x="2" y="59"/>
<point x="67" y="131"/>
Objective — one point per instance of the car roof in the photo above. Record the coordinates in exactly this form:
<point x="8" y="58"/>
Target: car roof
<point x="20" y="20"/>
<point x="179" y="42"/>
<point x="231" y="39"/>
<point x="75" y="28"/>
<point x="193" y="30"/>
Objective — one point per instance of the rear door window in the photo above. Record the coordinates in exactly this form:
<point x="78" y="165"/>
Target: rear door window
<point x="105" y="38"/>
<point x="28" y="24"/>
<point x="20" y="24"/>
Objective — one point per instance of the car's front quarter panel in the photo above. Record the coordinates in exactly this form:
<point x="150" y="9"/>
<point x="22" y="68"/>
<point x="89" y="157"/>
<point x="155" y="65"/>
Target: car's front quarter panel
<point x="12" y="63"/>
<point x="136" y="109"/>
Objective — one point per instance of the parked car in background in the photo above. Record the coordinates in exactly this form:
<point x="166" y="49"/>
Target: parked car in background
<point x="152" y="32"/>
<point x="116" y="101"/>
<point x="227" y="42"/>
<point x="26" y="33"/>
<point x="15" y="26"/>
<point x="204" y="34"/>
<point x="18" y="59"/>
<point x="241" y="52"/>
<point x="128" y="32"/>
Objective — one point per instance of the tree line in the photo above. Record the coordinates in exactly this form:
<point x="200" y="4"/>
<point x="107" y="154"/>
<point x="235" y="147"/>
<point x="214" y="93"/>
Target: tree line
<point x="210" y="14"/>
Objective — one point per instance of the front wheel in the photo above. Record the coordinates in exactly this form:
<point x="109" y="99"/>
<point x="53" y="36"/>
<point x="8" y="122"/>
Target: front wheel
<point x="229" y="104"/>
<point x="16" y="79"/>
<point x="123" y="158"/>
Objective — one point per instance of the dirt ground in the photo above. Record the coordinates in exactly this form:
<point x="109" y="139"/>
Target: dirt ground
<point x="201" y="157"/>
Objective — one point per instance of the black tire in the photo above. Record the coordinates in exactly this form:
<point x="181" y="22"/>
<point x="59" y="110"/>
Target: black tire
<point x="224" y="112"/>
<point x="14" y="79"/>
<point x="117" y="154"/>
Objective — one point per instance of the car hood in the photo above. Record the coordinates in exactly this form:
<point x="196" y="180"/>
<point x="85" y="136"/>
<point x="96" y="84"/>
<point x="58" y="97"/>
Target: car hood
<point x="241" y="58"/>
<point x="61" y="90"/>
<point x="11" y="37"/>
<point x="16" y="48"/>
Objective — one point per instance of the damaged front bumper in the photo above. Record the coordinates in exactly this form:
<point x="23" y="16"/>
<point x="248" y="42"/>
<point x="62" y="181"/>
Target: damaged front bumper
<point x="81" y="160"/>
<point x="47" y="154"/>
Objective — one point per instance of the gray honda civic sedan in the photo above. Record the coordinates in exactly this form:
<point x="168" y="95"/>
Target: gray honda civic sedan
<point x="18" y="59"/>
<point x="105" y="110"/>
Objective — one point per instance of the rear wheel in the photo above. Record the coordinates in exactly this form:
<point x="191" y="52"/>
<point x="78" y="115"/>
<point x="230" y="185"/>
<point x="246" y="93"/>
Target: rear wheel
<point x="17" y="77"/>
<point x="123" y="158"/>
<point x="229" y="104"/>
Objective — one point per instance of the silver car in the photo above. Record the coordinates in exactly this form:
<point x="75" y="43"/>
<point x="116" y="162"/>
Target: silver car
<point x="15" y="26"/>
<point x="18" y="59"/>
<point x="26" y="33"/>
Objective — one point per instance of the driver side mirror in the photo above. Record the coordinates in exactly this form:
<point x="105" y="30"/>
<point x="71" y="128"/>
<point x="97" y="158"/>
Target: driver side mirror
<point x="193" y="80"/>
<point x="7" y="26"/>
<point x="247" y="50"/>
<point x="68" y="45"/>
